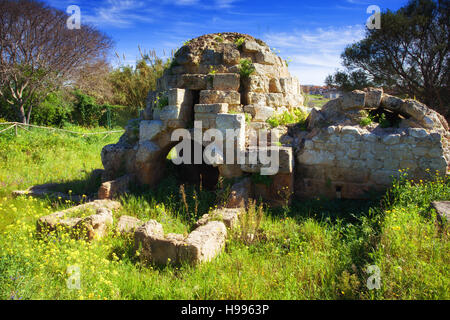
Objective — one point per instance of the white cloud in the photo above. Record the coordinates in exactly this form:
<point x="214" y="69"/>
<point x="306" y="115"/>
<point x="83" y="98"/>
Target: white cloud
<point x="225" y="3"/>
<point x="119" y="13"/>
<point x="314" y="53"/>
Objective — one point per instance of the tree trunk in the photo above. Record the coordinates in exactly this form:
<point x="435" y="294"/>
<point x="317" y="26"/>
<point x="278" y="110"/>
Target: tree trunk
<point x="21" y="112"/>
<point x="29" y="114"/>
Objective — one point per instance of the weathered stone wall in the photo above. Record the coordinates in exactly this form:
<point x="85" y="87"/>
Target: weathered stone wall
<point x="350" y="161"/>
<point x="335" y="156"/>
<point x="346" y="160"/>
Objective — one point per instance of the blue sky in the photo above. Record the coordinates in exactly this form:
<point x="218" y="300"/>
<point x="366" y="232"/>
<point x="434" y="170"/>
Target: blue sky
<point x="311" y="33"/>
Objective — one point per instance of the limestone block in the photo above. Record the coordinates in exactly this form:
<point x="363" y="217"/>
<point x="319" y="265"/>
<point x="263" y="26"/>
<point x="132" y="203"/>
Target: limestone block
<point x="348" y="175"/>
<point x="193" y="81"/>
<point x="269" y="71"/>
<point x="179" y="97"/>
<point x="229" y="216"/>
<point x="110" y="189"/>
<point x="147" y="152"/>
<point x="256" y="83"/>
<point x="391" y="164"/>
<point x="128" y="225"/>
<point x="208" y="119"/>
<point x="226" y="81"/>
<point x="312" y="157"/>
<point x="373" y="98"/>
<point x="251" y="46"/>
<point x="231" y="57"/>
<point x="230" y="121"/>
<point x="350" y="130"/>
<point x="205" y="242"/>
<point x="240" y="193"/>
<point x="259" y="113"/>
<point x="94" y="226"/>
<point x="391" y="139"/>
<point x="283" y="155"/>
<point x="114" y="158"/>
<point x="148" y="130"/>
<point x="414" y="108"/>
<point x="214" y="96"/>
<point x="275" y="100"/>
<point x="392" y="103"/>
<point x="255" y="98"/>
<point x="383" y="176"/>
<point x="265" y="57"/>
<point x="353" y="100"/>
<point x="443" y="210"/>
<point x="211" y="108"/>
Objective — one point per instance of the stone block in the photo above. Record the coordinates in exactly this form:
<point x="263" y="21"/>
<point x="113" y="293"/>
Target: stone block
<point x="226" y="81"/>
<point x="205" y="242"/>
<point x="283" y="155"/>
<point x="240" y="193"/>
<point x="229" y="216"/>
<point x="148" y="130"/>
<point x="265" y="57"/>
<point x="211" y="108"/>
<point x="257" y="84"/>
<point x="254" y="98"/>
<point x="111" y="189"/>
<point x="259" y="113"/>
<point x="414" y="108"/>
<point x="193" y="81"/>
<point x="94" y="226"/>
<point x="231" y="57"/>
<point x="392" y="103"/>
<point x="128" y="225"/>
<point x="353" y="100"/>
<point x="373" y="98"/>
<point x="213" y="96"/>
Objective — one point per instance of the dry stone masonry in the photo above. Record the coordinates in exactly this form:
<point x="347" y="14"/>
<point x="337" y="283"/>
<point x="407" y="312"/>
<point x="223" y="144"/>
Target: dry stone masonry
<point x="337" y="156"/>
<point x="210" y="80"/>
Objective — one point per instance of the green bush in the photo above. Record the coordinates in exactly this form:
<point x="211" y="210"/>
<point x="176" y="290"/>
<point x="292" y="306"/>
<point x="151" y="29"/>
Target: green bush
<point x="54" y="111"/>
<point x="86" y="111"/>
<point x="289" y="117"/>
<point x="118" y="116"/>
<point x="246" y="68"/>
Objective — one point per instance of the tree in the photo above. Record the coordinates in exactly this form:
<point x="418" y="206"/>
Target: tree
<point x="39" y="54"/>
<point x="409" y="54"/>
<point x="348" y="81"/>
<point x="131" y="85"/>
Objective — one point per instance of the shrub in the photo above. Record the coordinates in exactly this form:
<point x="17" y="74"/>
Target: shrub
<point x="288" y="117"/>
<point x="364" y="122"/>
<point x="86" y="111"/>
<point x="239" y="42"/>
<point x="54" y="111"/>
<point x="118" y="116"/>
<point x="246" y="68"/>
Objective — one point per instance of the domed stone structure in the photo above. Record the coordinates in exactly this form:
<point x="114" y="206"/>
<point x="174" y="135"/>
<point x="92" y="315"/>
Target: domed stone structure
<point x="354" y="145"/>
<point x="225" y="81"/>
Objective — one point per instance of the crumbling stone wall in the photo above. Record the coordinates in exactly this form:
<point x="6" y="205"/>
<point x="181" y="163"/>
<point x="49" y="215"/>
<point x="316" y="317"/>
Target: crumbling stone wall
<point x="339" y="158"/>
<point x="336" y="156"/>
<point x="206" y="82"/>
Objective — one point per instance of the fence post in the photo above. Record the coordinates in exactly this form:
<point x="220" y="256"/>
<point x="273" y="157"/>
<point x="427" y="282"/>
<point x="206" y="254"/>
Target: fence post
<point x="15" y="128"/>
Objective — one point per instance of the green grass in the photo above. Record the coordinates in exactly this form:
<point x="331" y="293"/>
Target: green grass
<point x="316" y="249"/>
<point x="317" y="100"/>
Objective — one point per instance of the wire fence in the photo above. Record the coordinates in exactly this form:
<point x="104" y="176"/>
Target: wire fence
<point x="17" y="125"/>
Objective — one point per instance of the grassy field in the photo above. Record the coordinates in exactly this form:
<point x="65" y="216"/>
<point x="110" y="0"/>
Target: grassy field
<point x="315" y="249"/>
<point x="316" y="100"/>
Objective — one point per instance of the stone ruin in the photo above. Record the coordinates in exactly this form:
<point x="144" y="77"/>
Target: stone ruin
<point x="337" y="156"/>
<point x="337" y="153"/>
